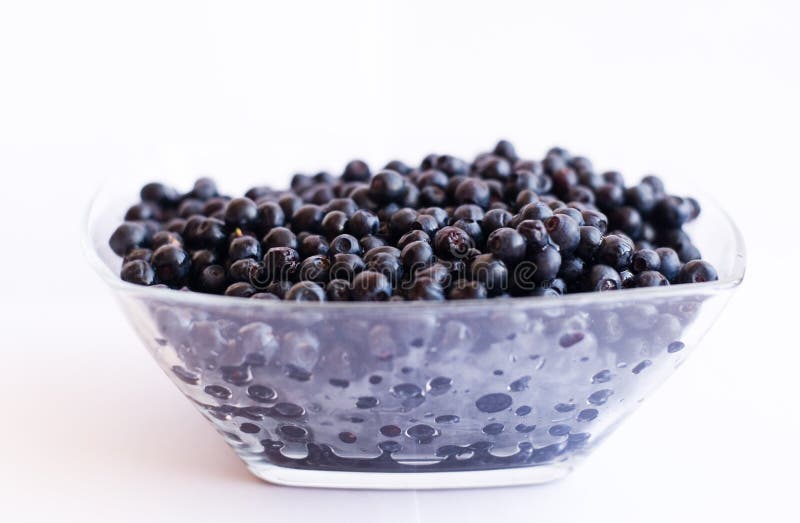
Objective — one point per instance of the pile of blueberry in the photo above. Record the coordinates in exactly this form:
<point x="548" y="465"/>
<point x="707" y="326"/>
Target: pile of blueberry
<point x="446" y="229"/>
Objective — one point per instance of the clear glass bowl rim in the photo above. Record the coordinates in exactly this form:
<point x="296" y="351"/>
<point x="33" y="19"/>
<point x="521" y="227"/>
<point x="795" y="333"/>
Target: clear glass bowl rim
<point x="197" y="299"/>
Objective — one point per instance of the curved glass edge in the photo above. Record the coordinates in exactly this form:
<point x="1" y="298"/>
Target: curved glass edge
<point x="90" y="245"/>
<point x="410" y="480"/>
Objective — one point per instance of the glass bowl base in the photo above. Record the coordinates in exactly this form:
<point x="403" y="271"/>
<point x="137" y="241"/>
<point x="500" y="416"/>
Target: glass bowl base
<point x="409" y="480"/>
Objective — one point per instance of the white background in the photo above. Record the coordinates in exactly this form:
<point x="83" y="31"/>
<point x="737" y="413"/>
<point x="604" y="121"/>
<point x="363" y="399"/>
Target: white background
<point x="704" y="92"/>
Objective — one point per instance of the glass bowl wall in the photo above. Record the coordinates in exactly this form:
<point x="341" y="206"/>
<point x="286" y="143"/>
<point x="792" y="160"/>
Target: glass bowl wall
<point x="420" y="394"/>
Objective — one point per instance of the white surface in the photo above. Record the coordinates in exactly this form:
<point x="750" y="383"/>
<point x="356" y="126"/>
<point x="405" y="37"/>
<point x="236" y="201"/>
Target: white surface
<point x="88" y="90"/>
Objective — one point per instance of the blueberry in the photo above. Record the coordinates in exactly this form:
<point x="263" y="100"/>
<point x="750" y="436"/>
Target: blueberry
<point x="642" y="197"/>
<point x="697" y="271"/>
<point x="204" y="189"/>
<point x="241" y="213"/>
<point x="494" y="219"/>
<point x="338" y="290"/>
<point x="546" y="264"/>
<point x="314" y="244"/>
<point x="669" y="263"/>
<point x="559" y="430"/>
<point x="139" y="272"/>
<point x="493" y="429"/>
<point x="347" y="437"/>
<point x="451" y="165"/>
<point x="495" y="402"/>
<point x="411" y="237"/>
<point x="609" y="196"/>
<point x="600" y="397"/>
<point x="172" y="265"/>
<point x="371" y="286"/>
<point x="388" y="265"/>
<point x="520" y="384"/>
<point x="315" y="269"/>
<point x="367" y="402"/>
<point x="334" y="223"/>
<point x="390" y="447"/>
<point x="425" y="223"/>
<point x="390" y="431"/>
<point x="589" y="243"/>
<point x="416" y="255"/>
<point x="441" y="216"/>
<point x="244" y="247"/>
<point x="262" y="393"/>
<point x="241" y="290"/>
<point x="523" y="410"/>
<point x="370" y="242"/>
<point x="127" y="237"/>
<point x="439" y="385"/>
<point x="491" y="272"/>
<point x="346" y="266"/>
<point x="292" y="432"/>
<point x="645" y="260"/>
<point x="305" y="291"/>
<point x="473" y="190"/>
<point x="628" y="279"/>
<point x="400" y="221"/>
<point x="496" y="168"/>
<point x="213" y="280"/>
<point x="356" y="171"/>
<point x="603" y="376"/>
<point x="142" y="211"/>
<point x="218" y="392"/>
<point x="650" y="279"/>
<point x="237" y="374"/>
<point x="615" y="251"/>
<point x="344" y="244"/>
<point x="626" y="219"/>
<point x="281" y="263"/>
<point x="580" y="194"/>
<point x="398" y="166"/>
<point x="595" y="219"/>
<point x="165" y="238"/>
<point x="468" y="211"/>
<point x="564" y="231"/>
<point x="507" y="245"/>
<point x="209" y="234"/>
<point x="535" y="234"/>
<point x="159" y="194"/>
<point x="533" y="211"/>
<point x="386" y="186"/>
<point x="307" y="218"/>
<point x="603" y="278"/>
<point x="675" y="346"/>
<point x="505" y="149"/>
<point x="142" y="254"/>
<point x="190" y="207"/>
<point x="672" y="212"/>
<point x="572" y="269"/>
<point x="247" y="270"/>
<point x="425" y="289"/>
<point x="467" y="290"/>
<point x="472" y="228"/>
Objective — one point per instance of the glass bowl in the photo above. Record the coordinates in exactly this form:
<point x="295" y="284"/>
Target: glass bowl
<point x="419" y="394"/>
